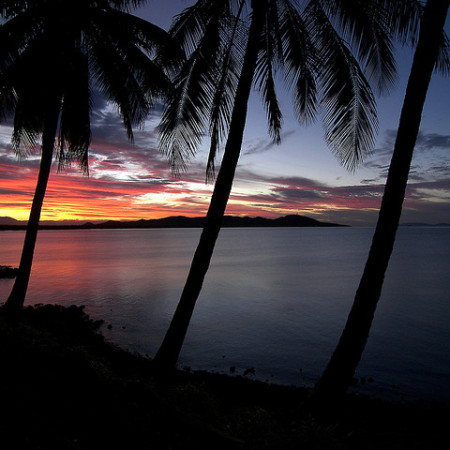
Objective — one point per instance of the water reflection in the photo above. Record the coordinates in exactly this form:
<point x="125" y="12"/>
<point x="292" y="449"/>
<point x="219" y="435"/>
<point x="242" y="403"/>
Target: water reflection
<point x="274" y="300"/>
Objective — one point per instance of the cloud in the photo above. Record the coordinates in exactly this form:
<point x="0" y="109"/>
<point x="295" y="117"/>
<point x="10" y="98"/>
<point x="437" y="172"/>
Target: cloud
<point x="109" y="131"/>
<point x="305" y="196"/>
<point x="299" y="194"/>
<point x="265" y="144"/>
<point x="132" y="181"/>
<point x="432" y="141"/>
<point x="431" y="159"/>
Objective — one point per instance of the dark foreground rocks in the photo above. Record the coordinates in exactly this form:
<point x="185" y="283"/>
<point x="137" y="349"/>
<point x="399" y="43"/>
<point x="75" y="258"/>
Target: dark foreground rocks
<point x="8" y="272"/>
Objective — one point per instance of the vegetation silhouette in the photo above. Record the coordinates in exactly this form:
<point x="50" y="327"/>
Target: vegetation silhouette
<point x="229" y="52"/>
<point x="431" y="53"/>
<point x="75" y="46"/>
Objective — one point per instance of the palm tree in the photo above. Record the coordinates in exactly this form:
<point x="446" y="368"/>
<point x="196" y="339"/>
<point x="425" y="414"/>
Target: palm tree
<point x="54" y="54"/>
<point x="429" y="54"/>
<point x="229" y="52"/>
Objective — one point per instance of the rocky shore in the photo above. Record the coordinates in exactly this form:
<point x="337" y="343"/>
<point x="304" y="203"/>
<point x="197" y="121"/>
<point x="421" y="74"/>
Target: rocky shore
<point x="8" y="272"/>
<point x="63" y="387"/>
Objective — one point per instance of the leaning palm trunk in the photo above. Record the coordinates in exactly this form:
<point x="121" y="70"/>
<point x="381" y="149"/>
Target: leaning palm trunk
<point x="342" y="365"/>
<point x="169" y="351"/>
<point x="17" y="297"/>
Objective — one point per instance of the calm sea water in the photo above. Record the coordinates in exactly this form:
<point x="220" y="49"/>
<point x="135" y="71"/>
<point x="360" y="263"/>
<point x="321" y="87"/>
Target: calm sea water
<point x="274" y="300"/>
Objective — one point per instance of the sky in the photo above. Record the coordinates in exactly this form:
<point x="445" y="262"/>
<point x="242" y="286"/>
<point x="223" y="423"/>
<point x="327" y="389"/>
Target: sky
<point x="299" y="176"/>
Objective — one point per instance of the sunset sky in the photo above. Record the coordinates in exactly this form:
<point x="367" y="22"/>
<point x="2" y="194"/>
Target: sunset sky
<point x="300" y="176"/>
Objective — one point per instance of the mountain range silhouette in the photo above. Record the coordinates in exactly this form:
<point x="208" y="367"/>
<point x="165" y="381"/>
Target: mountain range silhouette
<point x="176" y="222"/>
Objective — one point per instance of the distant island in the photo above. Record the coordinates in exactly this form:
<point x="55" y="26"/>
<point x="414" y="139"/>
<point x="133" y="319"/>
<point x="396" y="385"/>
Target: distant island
<point x="421" y="224"/>
<point x="7" y="223"/>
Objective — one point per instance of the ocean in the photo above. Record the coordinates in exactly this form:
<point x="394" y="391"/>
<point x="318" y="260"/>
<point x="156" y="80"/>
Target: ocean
<point x="274" y="301"/>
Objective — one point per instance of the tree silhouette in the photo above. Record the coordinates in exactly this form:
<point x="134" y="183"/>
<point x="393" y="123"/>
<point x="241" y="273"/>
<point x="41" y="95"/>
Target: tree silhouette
<point x="229" y="52"/>
<point x="431" y="52"/>
<point x="53" y="54"/>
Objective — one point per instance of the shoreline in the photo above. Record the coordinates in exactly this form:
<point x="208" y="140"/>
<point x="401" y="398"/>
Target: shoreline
<point x="79" y="391"/>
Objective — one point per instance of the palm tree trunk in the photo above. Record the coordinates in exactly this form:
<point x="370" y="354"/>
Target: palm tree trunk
<point x="342" y="365"/>
<point x="167" y="355"/>
<point x="17" y="297"/>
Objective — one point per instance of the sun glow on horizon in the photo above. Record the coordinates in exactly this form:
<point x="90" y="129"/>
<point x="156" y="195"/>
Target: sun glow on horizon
<point x="133" y="183"/>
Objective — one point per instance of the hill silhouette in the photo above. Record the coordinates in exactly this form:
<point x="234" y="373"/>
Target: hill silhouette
<point x="183" y="222"/>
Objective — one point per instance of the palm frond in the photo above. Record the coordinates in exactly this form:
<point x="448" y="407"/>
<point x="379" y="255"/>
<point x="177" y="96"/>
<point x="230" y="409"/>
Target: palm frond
<point x="367" y="25"/>
<point x="24" y="140"/>
<point x="124" y="73"/>
<point x="229" y="68"/>
<point x="299" y="62"/>
<point x="17" y="33"/>
<point x="349" y="105"/>
<point x="110" y="73"/>
<point x="126" y="5"/>
<point x="184" y="121"/>
<point x="403" y="17"/>
<point x="26" y="92"/>
<point x="152" y="76"/>
<point x="27" y="124"/>
<point x="222" y="105"/>
<point x="264" y="80"/>
<point x="189" y="26"/>
<point x="8" y="97"/>
<point x="153" y="40"/>
<point x="274" y="13"/>
<point x="269" y="57"/>
<point x="74" y="130"/>
<point x="443" y="62"/>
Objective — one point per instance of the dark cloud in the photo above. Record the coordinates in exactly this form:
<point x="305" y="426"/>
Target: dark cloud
<point x="259" y="147"/>
<point x="431" y="158"/>
<point x="16" y="167"/>
<point x="433" y="141"/>
<point x="264" y="144"/>
<point x="297" y="182"/>
<point x="369" y="181"/>
<point x="440" y="185"/>
<point x="298" y="194"/>
<point x="108" y="129"/>
<point x="12" y="191"/>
